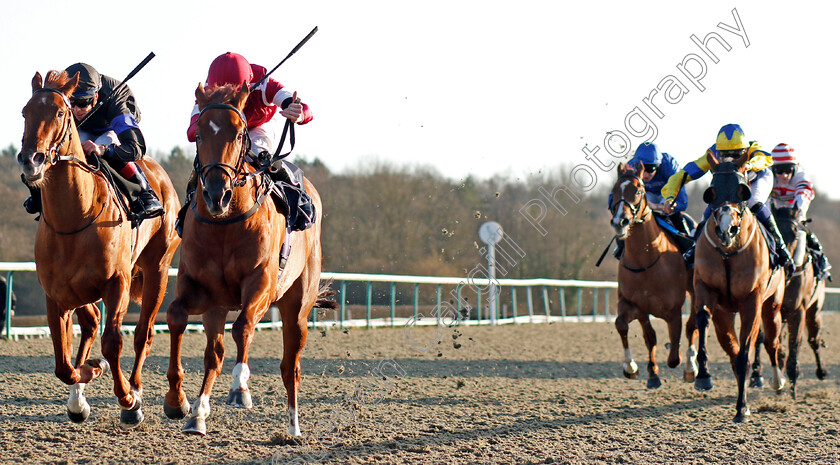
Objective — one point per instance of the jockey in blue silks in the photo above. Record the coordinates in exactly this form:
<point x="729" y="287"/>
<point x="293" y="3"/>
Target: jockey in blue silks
<point x="657" y="167"/>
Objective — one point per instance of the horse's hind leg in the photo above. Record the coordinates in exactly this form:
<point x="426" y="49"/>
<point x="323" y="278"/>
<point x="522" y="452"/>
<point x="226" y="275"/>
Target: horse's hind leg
<point x="295" y="307"/>
<point x="154" y="289"/>
<point x="649" y="335"/>
<point x="756" y="380"/>
<point x="772" y="322"/>
<point x="813" y="321"/>
<point x="214" y="355"/>
<point x="626" y="314"/>
<point x="795" y="330"/>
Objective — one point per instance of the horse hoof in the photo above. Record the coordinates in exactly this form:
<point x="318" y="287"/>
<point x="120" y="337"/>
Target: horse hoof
<point x="177" y="413"/>
<point x="195" y="426"/>
<point x="79" y="417"/>
<point x="134" y="416"/>
<point x="633" y="375"/>
<point x="703" y="384"/>
<point x="100" y="363"/>
<point x="757" y="382"/>
<point x="688" y="376"/>
<point x="239" y="399"/>
<point x="742" y="418"/>
<point x="822" y="373"/>
<point x="654" y="382"/>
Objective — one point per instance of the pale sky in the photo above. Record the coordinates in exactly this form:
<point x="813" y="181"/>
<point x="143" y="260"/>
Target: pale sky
<point x="466" y="87"/>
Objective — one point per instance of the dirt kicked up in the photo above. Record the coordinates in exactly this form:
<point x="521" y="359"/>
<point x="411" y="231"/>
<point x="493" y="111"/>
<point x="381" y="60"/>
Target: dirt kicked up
<point x="511" y="394"/>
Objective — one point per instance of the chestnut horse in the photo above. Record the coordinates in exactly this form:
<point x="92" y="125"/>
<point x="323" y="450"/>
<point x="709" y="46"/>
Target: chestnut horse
<point x="652" y="278"/>
<point x="230" y="259"/>
<point x="732" y="274"/>
<point x="86" y="249"/>
<point x="803" y="301"/>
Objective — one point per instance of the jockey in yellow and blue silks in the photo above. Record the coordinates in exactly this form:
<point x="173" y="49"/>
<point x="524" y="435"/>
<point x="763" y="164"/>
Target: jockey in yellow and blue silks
<point x="731" y="144"/>
<point x="657" y="167"/>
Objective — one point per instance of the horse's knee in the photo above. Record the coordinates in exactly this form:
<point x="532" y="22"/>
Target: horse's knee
<point x="67" y="374"/>
<point x="176" y="318"/>
<point x="111" y="343"/>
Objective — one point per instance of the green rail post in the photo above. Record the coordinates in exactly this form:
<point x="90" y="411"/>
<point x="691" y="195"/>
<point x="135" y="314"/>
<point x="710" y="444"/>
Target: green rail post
<point x="393" y="301"/>
<point x="545" y="303"/>
<point x="102" y="312"/>
<point x="513" y="303"/>
<point x="458" y="297"/>
<point x="478" y="307"/>
<point x="530" y="304"/>
<point x="341" y="304"/>
<point x="437" y="298"/>
<point x="416" y="299"/>
<point x="314" y="314"/>
<point x="594" y="301"/>
<point x="369" y="303"/>
<point x="607" y="303"/>
<point x="579" y="301"/>
<point x="8" y="304"/>
<point x="562" y="296"/>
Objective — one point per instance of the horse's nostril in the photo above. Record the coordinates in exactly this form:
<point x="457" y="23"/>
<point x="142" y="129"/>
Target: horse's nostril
<point x="733" y="230"/>
<point x="227" y="197"/>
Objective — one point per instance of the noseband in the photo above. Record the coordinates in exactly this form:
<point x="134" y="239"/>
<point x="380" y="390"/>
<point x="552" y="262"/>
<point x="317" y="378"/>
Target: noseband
<point x="634" y="208"/>
<point x="236" y="173"/>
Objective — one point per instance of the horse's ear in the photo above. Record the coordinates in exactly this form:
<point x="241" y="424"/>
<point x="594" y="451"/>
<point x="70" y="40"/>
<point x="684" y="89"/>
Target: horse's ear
<point x="709" y="195"/>
<point x="241" y="97"/>
<point x="621" y="168"/>
<point x="37" y="81"/>
<point x="70" y="84"/>
<point x="200" y="96"/>
<point x="742" y="160"/>
<point x="713" y="161"/>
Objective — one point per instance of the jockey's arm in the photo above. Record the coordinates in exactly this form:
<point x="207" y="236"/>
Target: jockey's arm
<point x="692" y="171"/>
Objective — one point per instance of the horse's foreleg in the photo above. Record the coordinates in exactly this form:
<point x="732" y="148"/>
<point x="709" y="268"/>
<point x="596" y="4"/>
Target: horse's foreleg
<point x="690" y="372"/>
<point x="243" y="334"/>
<point x="154" y="288"/>
<point x="294" y="311"/>
<point x="61" y="332"/>
<point x="813" y="321"/>
<point x="116" y="301"/>
<point x="795" y="330"/>
<point x="702" y="315"/>
<point x="750" y="325"/>
<point x="214" y="355"/>
<point x="756" y="380"/>
<point x="649" y="336"/>
<point x="626" y="314"/>
<point x="772" y="323"/>
<point x="176" y="405"/>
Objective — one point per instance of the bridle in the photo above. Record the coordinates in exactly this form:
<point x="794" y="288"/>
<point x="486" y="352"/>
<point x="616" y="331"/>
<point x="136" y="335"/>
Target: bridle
<point x="634" y="208"/>
<point x="237" y="174"/>
<point x="52" y="156"/>
<point x="742" y="207"/>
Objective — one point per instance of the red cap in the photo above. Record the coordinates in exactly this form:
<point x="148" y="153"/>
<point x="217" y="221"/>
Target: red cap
<point x="230" y="68"/>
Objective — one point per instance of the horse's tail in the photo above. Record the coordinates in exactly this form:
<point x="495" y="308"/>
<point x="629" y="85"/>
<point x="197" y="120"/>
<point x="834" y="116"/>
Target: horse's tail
<point x="324" y="299"/>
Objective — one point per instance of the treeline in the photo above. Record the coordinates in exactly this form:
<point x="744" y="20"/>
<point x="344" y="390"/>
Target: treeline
<point x="386" y="218"/>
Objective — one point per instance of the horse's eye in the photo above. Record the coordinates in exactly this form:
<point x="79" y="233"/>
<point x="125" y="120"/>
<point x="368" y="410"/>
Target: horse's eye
<point x="197" y="139"/>
<point x="60" y="114"/>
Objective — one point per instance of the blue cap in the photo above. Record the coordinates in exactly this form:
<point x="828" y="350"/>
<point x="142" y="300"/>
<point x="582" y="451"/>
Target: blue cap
<point x="648" y="154"/>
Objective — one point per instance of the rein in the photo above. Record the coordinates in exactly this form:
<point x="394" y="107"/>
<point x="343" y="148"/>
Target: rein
<point x="634" y="210"/>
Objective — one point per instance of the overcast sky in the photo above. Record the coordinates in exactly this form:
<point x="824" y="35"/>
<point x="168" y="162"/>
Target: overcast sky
<point x="466" y="87"/>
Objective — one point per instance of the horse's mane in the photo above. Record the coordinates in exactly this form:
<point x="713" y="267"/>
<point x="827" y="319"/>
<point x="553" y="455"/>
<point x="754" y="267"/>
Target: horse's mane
<point x="222" y="94"/>
<point x="56" y="79"/>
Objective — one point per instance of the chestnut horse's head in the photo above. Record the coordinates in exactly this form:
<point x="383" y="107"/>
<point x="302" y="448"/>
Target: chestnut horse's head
<point x="221" y="141"/>
<point x="727" y="195"/>
<point x="47" y="124"/>
<point x="628" y="200"/>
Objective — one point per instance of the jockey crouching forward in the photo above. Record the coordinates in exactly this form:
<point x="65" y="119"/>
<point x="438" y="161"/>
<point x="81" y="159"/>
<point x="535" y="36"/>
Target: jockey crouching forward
<point x="731" y="144"/>
<point x="792" y="189"/>
<point x="264" y="130"/>
<point x="113" y="135"/>
<point x="658" y="168"/>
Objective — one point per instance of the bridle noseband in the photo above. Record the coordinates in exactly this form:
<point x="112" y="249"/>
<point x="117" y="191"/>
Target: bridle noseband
<point x="52" y="156"/>
<point x="236" y="173"/>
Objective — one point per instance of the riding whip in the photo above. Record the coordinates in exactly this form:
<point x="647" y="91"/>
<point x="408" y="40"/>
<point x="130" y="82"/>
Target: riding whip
<point x="297" y="47"/>
<point x="118" y="88"/>
<point x="605" y="252"/>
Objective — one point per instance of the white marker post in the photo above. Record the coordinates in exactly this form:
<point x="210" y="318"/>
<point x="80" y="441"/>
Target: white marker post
<point x="491" y="233"/>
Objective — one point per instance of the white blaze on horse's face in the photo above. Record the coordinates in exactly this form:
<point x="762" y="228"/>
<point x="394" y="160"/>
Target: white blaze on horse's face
<point x="620" y="220"/>
<point x="215" y="127"/>
<point x="727" y="229"/>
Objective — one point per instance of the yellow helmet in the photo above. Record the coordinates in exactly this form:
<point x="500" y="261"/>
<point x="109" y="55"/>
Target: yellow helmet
<point x="731" y="137"/>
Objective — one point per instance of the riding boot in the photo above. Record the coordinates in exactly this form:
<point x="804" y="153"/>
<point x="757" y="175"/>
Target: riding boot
<point x="688" y="256"/>
<point x="301" y="210"/>
<point x="32" y="204"/>
<point x="770" y="223"/>
<point x="619" y="248"/>
<point x="821" y="264"/>
<point x="147" y="204"/>
<point x="182" y="213"/>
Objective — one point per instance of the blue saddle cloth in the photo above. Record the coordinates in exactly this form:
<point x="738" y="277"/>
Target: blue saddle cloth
<point x="772" y="246"/>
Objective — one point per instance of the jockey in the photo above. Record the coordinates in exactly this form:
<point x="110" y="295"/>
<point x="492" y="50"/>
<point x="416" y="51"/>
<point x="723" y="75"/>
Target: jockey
<point x="792" y="189"/>
<point x="113" y="135"/>
<point x="731" y="143"/>
<point x="263" y="128"/>
<point x="657" y="167"/>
